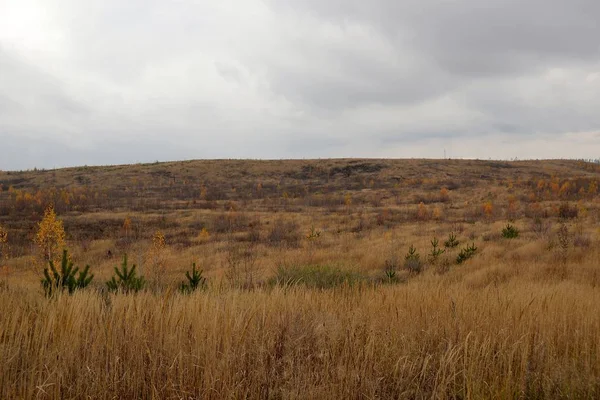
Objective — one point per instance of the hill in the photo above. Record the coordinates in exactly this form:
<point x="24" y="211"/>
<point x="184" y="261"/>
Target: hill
<point x="344" y="278"/>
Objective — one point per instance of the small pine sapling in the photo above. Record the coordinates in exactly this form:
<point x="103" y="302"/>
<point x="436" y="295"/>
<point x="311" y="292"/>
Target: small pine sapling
<point x="435" y="251"/>
<point x="510" y="232"/>
<point x="66" y="278"/>
<point x="466" y="253"/>
<point x="195" y="280"/>
<point x="451" y="242"/>
<point x="412" y="260"/>
<point x="125" y="279"/>
<point x="390" y="270"/>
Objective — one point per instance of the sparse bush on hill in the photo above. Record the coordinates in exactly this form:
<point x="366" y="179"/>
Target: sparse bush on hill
<point x="582" y="240"/>
<point x="566" y="211"/>
<point x="3" y="243"/>
<point x="284" y="232"/>
<point x="443" y="267"/>
<point x="241" y="264"/>
<point x="254" y="235"/>
<point x="564" y="240"/>
<point x="540" y="227"/>
<point x="229" y="222"/>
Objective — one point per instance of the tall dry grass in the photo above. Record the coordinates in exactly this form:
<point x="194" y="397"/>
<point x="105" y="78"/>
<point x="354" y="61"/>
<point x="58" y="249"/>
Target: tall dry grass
<point x="430" y="338"/>
<point x="519" y="320"/>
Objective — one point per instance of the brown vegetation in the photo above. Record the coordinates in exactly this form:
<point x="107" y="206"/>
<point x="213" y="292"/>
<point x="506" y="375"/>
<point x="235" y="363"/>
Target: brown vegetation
<point x="310" y="291"/>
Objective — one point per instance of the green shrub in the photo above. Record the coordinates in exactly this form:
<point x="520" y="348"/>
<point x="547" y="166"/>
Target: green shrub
<point x="125" y="279"/>
<point x="390" y="270"/>
<point x="412" y="261"/>
<point x="195" y="280"/>
<point x="57" y="281"/>
<point x="466" y="253"/>
<point x="435" y="252"/>
<point x="510" y="232"/>
<point x="451" y="242"/>
<point x="315" y="276"/>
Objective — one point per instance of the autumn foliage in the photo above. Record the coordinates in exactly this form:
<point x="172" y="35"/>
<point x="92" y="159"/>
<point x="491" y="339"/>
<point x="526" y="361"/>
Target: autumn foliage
<point x="50" y="236"/>
<point x="488" y="209"/>
<point x="422" y="212"/>
<point x="156" y="258"/>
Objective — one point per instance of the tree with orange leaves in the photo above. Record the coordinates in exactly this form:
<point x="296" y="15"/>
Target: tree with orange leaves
<point x="422" y="212"/>
<point x="565" y="189"/>
<point x="50" y="236"/>
<point x="127" y="227"/>
<point x="593" y="188"/>
<point x="511" y="211"/>
<point x="488" y="209"/>
<point x="156" y="259"/>
<point x="444" y="194"/>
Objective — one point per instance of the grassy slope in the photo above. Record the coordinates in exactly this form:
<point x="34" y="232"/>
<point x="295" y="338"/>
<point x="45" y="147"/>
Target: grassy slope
<point x="515" y="321"/>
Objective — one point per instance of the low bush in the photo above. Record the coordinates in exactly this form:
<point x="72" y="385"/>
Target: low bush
<point x="566" y="211"/>
<point x="582" y="240"/>
<point x="284" y="232"/>
<point x="540" y="227"/>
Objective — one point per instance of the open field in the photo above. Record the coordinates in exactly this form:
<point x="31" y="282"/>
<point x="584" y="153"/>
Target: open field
<point x="310" y="293"/>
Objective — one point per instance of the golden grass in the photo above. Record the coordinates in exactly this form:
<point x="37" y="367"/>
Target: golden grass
<point x="515" y="321"/>
<point x="430" y="338"/>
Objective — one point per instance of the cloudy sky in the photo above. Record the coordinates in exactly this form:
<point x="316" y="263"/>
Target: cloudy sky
<point x="114" y="81"/>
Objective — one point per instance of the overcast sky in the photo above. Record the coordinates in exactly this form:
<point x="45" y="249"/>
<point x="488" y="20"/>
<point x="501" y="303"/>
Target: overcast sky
<point x="123" y="81"/>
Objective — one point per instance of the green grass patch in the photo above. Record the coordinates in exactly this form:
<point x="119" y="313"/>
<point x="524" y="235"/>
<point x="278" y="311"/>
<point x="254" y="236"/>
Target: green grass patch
<point x="315" y="276"/>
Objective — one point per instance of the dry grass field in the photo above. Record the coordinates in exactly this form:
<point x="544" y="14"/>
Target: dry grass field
<point x="311" y="289"/>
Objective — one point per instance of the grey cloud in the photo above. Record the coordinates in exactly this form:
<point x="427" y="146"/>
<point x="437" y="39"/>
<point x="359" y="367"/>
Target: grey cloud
<point x="345" y="80"/>
<point x="110" y="81"/>
<point x="496" y="34"/>
<point x="430" y="48"/>
<point x="229" y="72"/>
<point x="23" y="85"/>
